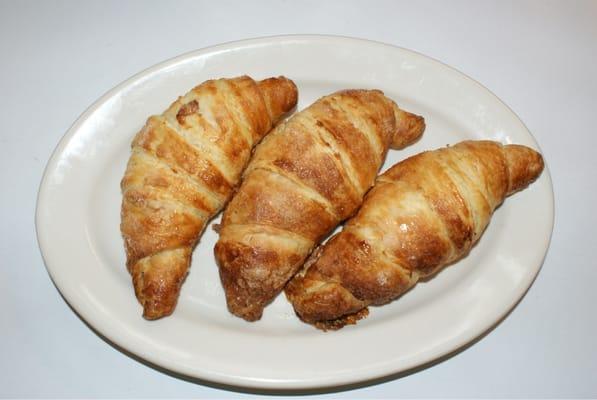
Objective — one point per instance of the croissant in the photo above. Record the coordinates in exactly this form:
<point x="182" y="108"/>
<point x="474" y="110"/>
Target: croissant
<point x="305" y="177"/>
<point x="183" y="168"/>
<point x="422" y="214"/>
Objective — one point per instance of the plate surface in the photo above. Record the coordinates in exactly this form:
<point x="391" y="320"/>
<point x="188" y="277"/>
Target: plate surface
<point x="78" y="225"/>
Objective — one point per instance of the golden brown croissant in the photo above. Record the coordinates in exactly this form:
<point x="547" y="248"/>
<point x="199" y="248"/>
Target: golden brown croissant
<point x="423" y="213"/>
<point x="309" y="174"/>
<point x="182" y="170"/>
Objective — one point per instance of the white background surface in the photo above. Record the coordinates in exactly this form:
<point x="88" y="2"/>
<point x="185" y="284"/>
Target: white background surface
<point x="539" y="57"/>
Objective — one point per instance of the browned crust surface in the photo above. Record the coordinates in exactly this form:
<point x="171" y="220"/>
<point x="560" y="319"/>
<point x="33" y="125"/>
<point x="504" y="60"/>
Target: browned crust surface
<point x="423" y="213"/>
<point x="183" y="168"/>
<point x="308" y="175"/>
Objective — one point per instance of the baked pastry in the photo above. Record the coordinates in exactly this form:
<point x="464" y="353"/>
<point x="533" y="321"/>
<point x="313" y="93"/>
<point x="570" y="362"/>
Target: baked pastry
<point x="183" y="168"/>
<point x="307" y="176"/>
<point x="422" y="214"/>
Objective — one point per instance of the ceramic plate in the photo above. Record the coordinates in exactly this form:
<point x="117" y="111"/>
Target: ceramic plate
<point x="78" y="225"/>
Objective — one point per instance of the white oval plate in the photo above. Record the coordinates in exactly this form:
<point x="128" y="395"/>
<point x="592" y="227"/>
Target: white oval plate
<point x="78" y="225"/>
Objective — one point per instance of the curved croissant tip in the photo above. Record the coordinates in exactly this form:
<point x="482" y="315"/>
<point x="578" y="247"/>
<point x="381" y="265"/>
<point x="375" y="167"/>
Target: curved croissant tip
<point x="524" y="164"/>
<point x="152" y="310"/>
<point x="244" y="297"/>
<point x="249" y="313"/>
<point x="280" y="95"/>
<point x="157" y="280"/>
<point x="409" y="129"/>
<point x="158" y="298"/>
<point x="339" y="308"/>
<point x="240" y="299"/>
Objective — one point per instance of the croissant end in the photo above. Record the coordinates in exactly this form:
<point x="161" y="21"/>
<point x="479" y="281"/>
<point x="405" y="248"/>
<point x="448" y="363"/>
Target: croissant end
<point x="308" y="295"/>
<point x="280" y="95"/>
<point x="243" y="297"/>
<point x="524" y="165"/>
<point x="409" y="128"/>
<point x="157" y="280"/>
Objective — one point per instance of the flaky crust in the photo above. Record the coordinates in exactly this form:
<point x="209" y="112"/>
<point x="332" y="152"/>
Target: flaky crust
<point x="183" y="168"/>
<point x="309" y="174"/>
<point x="422" y="214"/>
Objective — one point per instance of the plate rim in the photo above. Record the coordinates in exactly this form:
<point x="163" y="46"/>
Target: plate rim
<point x="248" y="382"/>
